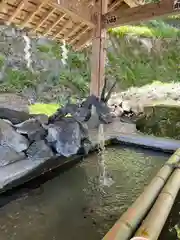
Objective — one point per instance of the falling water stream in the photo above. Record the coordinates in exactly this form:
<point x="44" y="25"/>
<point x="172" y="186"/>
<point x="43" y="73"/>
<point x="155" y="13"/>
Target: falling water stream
<point x="104" y="179"/>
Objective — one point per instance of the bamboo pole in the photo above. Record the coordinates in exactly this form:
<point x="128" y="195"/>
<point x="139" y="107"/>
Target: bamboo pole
<point x="127" y="224"/>
<point x="154" y="222"/>
<point x="98" y="52"/>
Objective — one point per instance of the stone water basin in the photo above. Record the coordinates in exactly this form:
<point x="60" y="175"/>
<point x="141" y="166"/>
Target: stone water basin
<point x="71" y="205"/>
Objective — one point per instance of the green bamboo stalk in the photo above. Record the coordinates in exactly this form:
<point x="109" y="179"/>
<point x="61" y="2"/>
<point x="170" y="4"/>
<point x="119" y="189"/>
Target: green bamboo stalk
<point x="127" y="224"/>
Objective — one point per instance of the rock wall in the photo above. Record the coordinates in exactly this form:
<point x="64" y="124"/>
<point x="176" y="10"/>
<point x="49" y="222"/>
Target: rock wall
<point x="43" y="75"/>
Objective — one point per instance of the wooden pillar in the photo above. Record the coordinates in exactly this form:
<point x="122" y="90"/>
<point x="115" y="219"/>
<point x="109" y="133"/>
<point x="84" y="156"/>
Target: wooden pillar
<point x="98" y="51"/>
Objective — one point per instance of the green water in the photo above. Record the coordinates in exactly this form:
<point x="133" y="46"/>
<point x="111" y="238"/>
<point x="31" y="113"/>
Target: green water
<point x="72" y="206"/>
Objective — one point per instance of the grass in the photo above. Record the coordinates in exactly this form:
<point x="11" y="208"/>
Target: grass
<point x="42" y="108"/>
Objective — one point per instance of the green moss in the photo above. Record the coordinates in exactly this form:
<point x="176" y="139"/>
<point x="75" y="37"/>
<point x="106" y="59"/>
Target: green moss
<point x="41" y="108"/>
<point x="161" y="120"/>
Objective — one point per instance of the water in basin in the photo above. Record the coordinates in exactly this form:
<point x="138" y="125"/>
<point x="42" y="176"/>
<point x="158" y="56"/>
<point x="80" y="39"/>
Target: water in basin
<point x="72" y="206"/>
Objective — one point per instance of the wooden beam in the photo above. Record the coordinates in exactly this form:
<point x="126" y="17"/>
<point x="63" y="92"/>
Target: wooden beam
<point x="17" y="11"/>
<point x="43" y="20"/>
<point x="31" y="16"/>
<point x="83" y="31"/>
<point x="75" y="9"/>
<point x="83" y="41"/>
<point x="140" y="13"/>
<point x="3" y="4"/>
<point x="131" y="3"/>
<point x="114" y="5"/>
<point x="61" y="30"/>
<point x="54" y="25"/>
<point x="98" y="52"/>
<point x="72" y="32"/>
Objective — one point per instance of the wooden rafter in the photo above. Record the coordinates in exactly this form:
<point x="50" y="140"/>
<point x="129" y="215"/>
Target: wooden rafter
<point x="17" y="11"/>
<point x="131" y="3"/>
<point x="140" y="13"/>
<point x="83" y="41"/>
<point x="71" y="33"/>
<point x="3" y="3"/>
<point x="44" y="20"/>
<point x="81" y="13"/>
<point x="54" y="25"/>
<point x="62" y="29"/>
<point x="31" y="16"/>
<point x="114" y="5"/>
<point x="79" y="35"/>
<point x="75" y="20"/>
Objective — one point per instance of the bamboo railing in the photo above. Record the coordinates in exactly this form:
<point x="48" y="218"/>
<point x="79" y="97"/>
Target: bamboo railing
<point x="127" y="224"/>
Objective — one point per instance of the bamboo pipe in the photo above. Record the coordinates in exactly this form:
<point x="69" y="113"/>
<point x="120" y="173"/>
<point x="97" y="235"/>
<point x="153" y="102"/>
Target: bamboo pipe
<point x="154" y="222"/>
<point x="127" y="224"/>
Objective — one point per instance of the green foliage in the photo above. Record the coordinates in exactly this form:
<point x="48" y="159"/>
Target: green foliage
<point x="53" y="50"/>
<point x="2" y="60"/>
<point x="152" y="29"/>
<point x="177" y="16"/>
<point x="43" y="48"/>
<point x="134" y="64"/>
<point x="145" y="53"/>
<point x="19" y="79"/>
<point x="137" y="55"/>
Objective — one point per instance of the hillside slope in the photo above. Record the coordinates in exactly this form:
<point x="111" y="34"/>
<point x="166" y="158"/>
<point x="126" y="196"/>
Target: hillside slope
<point x="137" y="55"/>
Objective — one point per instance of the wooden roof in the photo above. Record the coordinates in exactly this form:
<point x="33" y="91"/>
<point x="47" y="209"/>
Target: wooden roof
<point x="69" y="20"/>
<point x="72" y="20"/>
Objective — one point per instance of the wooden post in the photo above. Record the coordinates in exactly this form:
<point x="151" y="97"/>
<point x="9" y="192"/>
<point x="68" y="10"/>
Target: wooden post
<point x="98" y="51"/>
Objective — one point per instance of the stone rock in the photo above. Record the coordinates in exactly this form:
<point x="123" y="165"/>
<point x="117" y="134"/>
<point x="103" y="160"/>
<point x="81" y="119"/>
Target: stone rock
<point x="115" y="101"/>
<point x="13" y="101"/>
<point x="8" y="156"/>
<point x="32" y="128"/>
<point x="84" y="131"/>
<point x="118" y="111"/>
<point x="42" y="118"/>
<point x="112" y="108"/>
<point x="113" y="115"/>
<point x="85" y="148"/>
<point x="136" y="108"/>
<point x="14" y="116"/>
<point x="126" y="106"/>
<point x="161" y="119"/>
<point x="65" y="136"/>
<point x="39" y="150"/>
<point x="93" y="122"/>
<point x="9" y="137"/>
<point x="9" y="122"/>
<point x="82" y="115"/>
<point x="102" y="109"/>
